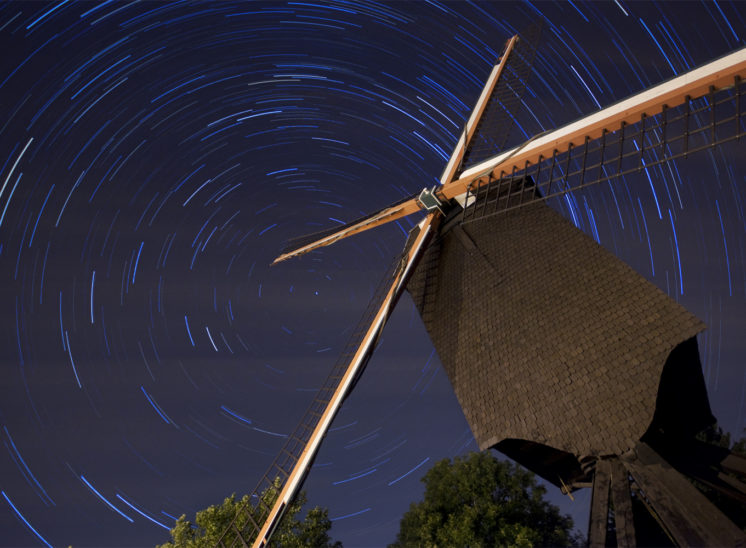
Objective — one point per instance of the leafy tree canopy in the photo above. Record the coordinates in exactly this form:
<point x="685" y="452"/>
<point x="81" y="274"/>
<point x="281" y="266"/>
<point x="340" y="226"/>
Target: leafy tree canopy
<point x="290" y="533"/>
<point x="479" y="500"/>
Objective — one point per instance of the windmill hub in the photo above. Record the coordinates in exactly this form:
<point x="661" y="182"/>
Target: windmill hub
<point x="429" y="201"/>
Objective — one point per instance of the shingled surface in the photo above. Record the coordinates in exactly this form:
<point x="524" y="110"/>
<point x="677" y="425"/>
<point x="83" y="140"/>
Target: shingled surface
<point x="545" y="335"/>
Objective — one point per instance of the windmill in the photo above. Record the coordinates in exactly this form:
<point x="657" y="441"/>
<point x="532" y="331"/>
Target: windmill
<point x="561" y="356"/>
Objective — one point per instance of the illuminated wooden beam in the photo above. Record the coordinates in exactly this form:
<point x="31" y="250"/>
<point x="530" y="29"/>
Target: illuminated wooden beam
<point x="717" y="74"/>
<point x="294" y="481"/>
<point x="476" y="114"/>
<point x="382" y="217"/>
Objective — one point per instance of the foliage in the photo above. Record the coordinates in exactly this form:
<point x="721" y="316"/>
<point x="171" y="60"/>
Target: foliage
<point x="291" y="533"/>
<point x="479" y="500"/>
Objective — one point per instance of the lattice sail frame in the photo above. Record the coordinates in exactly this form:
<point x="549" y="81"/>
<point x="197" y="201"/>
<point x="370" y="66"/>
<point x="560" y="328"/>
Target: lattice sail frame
<point x="493" y="130"/>
<point x="701" y="84"/>
<point x="697" y="125"/>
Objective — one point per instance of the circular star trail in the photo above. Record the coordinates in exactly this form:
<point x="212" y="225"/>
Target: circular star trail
<point x="154" y="157"/>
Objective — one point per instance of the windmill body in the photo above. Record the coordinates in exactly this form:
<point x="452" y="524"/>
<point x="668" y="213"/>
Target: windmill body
<point x="545" y="335"/>
<point x="561" y="356"/>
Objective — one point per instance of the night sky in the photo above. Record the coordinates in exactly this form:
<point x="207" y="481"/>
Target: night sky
<point x="154" y="157"/>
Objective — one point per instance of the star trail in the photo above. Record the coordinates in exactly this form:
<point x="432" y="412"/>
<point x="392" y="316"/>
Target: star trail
<point x="155" y="157"/>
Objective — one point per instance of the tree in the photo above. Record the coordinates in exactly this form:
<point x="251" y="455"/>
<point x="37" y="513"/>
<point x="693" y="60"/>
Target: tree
<point x="290" y="533"/>
<point x="479" y="500"/>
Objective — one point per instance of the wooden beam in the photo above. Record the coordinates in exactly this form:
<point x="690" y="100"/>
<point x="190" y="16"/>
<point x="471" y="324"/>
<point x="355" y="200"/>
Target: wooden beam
<point x="686" y="513"/>
<point x="723" y="483"/>
<point x="382" y="217"/>
<point x="599" y="505"/>
<point x="476" y="115"/>
<point x="734" y="463"/>
<point x="711" y="466"/>
<point x="620" y="495"/>
<point x="297" y="475"/>
<point x="699" y="453"/>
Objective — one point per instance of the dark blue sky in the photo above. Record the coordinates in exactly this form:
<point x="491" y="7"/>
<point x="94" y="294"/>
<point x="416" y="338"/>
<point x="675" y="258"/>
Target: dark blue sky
<point x="154" y="157"/>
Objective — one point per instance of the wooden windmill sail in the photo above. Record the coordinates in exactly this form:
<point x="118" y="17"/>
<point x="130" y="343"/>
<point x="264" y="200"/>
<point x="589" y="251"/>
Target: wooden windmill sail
<point x="569" y="361"/>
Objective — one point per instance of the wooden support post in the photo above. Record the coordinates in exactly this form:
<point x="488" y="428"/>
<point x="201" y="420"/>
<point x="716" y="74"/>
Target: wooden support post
<point x="620" y="495"/>
<point x="599" y="505"/>
<point x="690" y="518"/>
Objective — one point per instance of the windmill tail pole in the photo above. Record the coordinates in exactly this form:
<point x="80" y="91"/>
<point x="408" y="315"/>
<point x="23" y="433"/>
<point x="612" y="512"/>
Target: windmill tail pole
<point x="354" y="369"/>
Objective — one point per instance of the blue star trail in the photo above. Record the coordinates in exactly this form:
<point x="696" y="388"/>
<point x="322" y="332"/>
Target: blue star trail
<point x="154" y="159"/>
